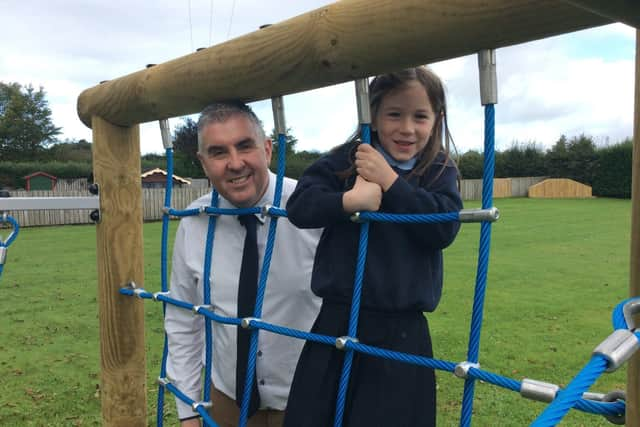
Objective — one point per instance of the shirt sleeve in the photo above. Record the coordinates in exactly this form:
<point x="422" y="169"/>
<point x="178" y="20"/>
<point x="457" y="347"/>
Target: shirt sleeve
<point x="185" y="333"/>
<point x="438" y="194"/>
<point x="317" y="199"/>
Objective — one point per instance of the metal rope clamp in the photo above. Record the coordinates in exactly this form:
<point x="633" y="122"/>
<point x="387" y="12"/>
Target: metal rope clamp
<point x="462" y="369"/>
<point x="265" y="210"/>
<point x="356" y="218"/>
<point x="245" y="322"/>
<point x="618" y="347"/>
<point x="614" y="396"/>
<point x="341" y="342"/>
<point x="205" y="405"/>
<point x="538" y="390"/>
<point x="196" y="308"/>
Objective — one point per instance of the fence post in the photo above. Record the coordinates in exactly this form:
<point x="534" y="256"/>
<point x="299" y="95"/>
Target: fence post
<point x="116" y="167"/>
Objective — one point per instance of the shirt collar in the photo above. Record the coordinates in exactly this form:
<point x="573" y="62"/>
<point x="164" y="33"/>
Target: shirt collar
<point x="267" y="198"/>
<point x="406" y="165"/>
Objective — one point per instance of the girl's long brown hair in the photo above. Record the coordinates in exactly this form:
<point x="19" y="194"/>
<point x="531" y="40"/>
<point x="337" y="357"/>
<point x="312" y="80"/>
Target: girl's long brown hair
<point x="440" y="139"/>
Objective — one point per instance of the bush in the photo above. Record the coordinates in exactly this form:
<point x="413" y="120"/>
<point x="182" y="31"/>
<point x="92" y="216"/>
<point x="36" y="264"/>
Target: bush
<point x="12" y="174"/>
<point x="612" y="177"/>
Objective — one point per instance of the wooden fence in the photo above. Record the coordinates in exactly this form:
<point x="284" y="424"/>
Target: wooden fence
<point x="153" y="200"/>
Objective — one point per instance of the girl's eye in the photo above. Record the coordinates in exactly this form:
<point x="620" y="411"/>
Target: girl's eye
<point x="393" y="114"/>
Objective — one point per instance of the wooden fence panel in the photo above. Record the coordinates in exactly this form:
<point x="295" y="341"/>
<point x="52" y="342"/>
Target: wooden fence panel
<point x="560" y="188"/>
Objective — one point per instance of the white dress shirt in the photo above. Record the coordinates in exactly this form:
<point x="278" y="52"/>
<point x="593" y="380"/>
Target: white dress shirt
<point x="288" y="301"/>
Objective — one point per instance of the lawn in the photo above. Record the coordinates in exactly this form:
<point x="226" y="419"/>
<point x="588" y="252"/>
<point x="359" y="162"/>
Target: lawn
<point x="557" y="269"/>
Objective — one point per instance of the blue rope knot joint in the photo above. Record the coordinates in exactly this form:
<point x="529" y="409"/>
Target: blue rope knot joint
<point x="205" y="405"/>
<point x="155" y="295"/>
<point x="341" y="342"/>
<point x="462" y="369"/>
<point x="614" y="396"/>
<point x="196" y="308"/>
<point x="265" y="210"/>
<point x="356" y="218"/>
<point x="163" y="381"/>
<point x="246" y="322"/>
<point x="617" y="348"/>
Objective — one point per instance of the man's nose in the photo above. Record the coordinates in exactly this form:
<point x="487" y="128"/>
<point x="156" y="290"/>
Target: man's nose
<point x="235" y="160"/>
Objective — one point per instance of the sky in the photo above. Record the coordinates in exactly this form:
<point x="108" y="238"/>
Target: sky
<point x="578" y="83"/>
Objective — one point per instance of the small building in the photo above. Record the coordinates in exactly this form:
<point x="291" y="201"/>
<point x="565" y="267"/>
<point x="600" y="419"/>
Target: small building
<point x="157" y="178"/>
<point x="40" y="181"/>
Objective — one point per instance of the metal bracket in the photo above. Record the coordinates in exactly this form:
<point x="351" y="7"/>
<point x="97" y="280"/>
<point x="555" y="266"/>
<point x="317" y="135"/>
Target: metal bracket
<point x="341" y="342"/>
<point x="479" y="215"/>
<point x="198" y="307"/>
<point x="362" y="101"/>
<point x="538" y="390"/>
<point x="629" y="310"/>
<point x="245" y="323"/>
<point x="462" y="369"/>
<point x="614" y="396"/>
<point x="617" y="348"/>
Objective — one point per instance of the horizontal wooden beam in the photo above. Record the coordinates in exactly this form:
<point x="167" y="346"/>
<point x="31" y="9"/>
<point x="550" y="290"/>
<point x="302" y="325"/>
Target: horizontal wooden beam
<point x="343" y="41"/>
<point x="626" y="11"/>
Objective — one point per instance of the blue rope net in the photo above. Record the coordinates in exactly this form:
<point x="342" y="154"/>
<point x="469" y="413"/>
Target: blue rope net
<point x="4" y="244"/>
<point x="569" y="398"/>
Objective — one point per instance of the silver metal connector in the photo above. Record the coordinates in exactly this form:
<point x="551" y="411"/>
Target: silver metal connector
<point x="279" y="124"/>
<point x="3" y="254"/>
<point x="488" y="76"/>
<point x="157" y="294"/>
<point x="462" y="369"/>
<point x="538" y="390"/>
<point x="341" y="342"/>
<point x="362" y="101"/>
<point x="264" y="211"/>
<point x="165" y="131"/>
<point x="630" y="309"/>
<point x="617" y="348"/>
<point x="198" y="307"/>
<point x="205" y="405"/>
<point x="479" y="215"/>
<point x="356" y="217"/>
<point x="245" y="323"/>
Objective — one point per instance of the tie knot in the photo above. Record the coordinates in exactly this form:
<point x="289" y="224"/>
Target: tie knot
<point x="248" y="220"/>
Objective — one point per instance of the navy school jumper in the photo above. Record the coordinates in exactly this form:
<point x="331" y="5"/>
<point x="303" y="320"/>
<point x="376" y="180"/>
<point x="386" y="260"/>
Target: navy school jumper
<point x="402" y="279"/>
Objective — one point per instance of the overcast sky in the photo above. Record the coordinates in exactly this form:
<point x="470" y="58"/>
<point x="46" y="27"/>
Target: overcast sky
<point x="571" y="84"/>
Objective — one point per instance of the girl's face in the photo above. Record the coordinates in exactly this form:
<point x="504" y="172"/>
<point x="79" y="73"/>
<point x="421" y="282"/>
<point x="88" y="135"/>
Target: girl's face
<point x="404" y="121"/>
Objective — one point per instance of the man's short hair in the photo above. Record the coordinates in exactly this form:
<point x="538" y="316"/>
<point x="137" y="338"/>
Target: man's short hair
<point x="219" y="112"/>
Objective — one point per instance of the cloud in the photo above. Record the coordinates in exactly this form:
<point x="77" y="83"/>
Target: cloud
<point x="576" y="83"/>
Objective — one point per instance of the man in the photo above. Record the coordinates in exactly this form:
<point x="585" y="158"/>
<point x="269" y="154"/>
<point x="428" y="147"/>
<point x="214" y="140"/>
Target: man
<point x="235" y="155"/>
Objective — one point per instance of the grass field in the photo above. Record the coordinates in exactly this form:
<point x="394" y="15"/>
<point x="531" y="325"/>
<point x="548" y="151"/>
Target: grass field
<point x="558" y="267"/>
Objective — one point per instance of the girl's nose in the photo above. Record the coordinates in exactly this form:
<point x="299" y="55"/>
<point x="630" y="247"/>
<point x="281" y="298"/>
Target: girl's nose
<point x="406" y="125"/>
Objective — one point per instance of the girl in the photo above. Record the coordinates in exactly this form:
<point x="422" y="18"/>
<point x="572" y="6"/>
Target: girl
<point x="407" y="169"/>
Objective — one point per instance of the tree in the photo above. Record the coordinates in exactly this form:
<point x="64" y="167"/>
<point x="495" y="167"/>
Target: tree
<point x="575" y="159"/>
<point x="471" y="165"/>
<point x="70" y="150"/>
<point x="185" y="147"/>
<point x="26" y="127"/>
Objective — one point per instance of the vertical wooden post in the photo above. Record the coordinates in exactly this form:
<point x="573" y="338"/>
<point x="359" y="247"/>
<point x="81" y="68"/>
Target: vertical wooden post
<point x="633" y="371"/>
<point x="116" y="168"/>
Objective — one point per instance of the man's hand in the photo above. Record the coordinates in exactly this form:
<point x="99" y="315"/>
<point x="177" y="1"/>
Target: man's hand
<point x="193" y="422"/>
<point x="373" y="167"/>
<point x="364" y="196"/>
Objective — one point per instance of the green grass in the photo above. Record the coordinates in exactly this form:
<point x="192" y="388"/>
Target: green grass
<point x="557" y="269"/>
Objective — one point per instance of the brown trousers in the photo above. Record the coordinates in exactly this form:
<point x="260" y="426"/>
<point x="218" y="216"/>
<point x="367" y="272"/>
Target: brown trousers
<point x="226" y="413"/>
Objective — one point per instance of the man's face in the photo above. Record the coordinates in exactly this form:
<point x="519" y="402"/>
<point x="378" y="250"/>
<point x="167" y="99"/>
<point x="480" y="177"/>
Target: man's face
<point x="236" y="159"/>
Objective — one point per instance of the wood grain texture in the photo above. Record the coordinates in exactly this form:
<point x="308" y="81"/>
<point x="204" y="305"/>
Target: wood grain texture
<point x="633" y="371"/>
<point x="627" y="11"/>
<point x="116" y="167"/>
<point x="340" y="42"/>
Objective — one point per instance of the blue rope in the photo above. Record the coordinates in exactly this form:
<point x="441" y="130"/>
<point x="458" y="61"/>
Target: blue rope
<point x="164" y="282"/>
<point x="14" y="233"/>
<point x="410" y="218"/>
<point x="567" y="398"/>
<point x="262" y="285"/>
<point x="601" y="408"/>
<point x="483" y="262"/>
<point x="365" y="131"/>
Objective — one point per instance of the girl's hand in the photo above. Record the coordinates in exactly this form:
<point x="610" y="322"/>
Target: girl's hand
<point x="373" y="167"/>
<point x="364" y="196"/>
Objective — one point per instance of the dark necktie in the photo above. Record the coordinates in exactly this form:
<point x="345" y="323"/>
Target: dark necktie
<point x="247" y="290"/>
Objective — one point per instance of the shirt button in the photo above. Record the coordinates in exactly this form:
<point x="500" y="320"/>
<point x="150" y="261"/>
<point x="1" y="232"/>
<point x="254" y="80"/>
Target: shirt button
<point x="261" y="382"/>
<point x="259" y="353"/>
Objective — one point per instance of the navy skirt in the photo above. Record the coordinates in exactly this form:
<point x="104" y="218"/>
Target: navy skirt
<point x="381" y="392"/>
